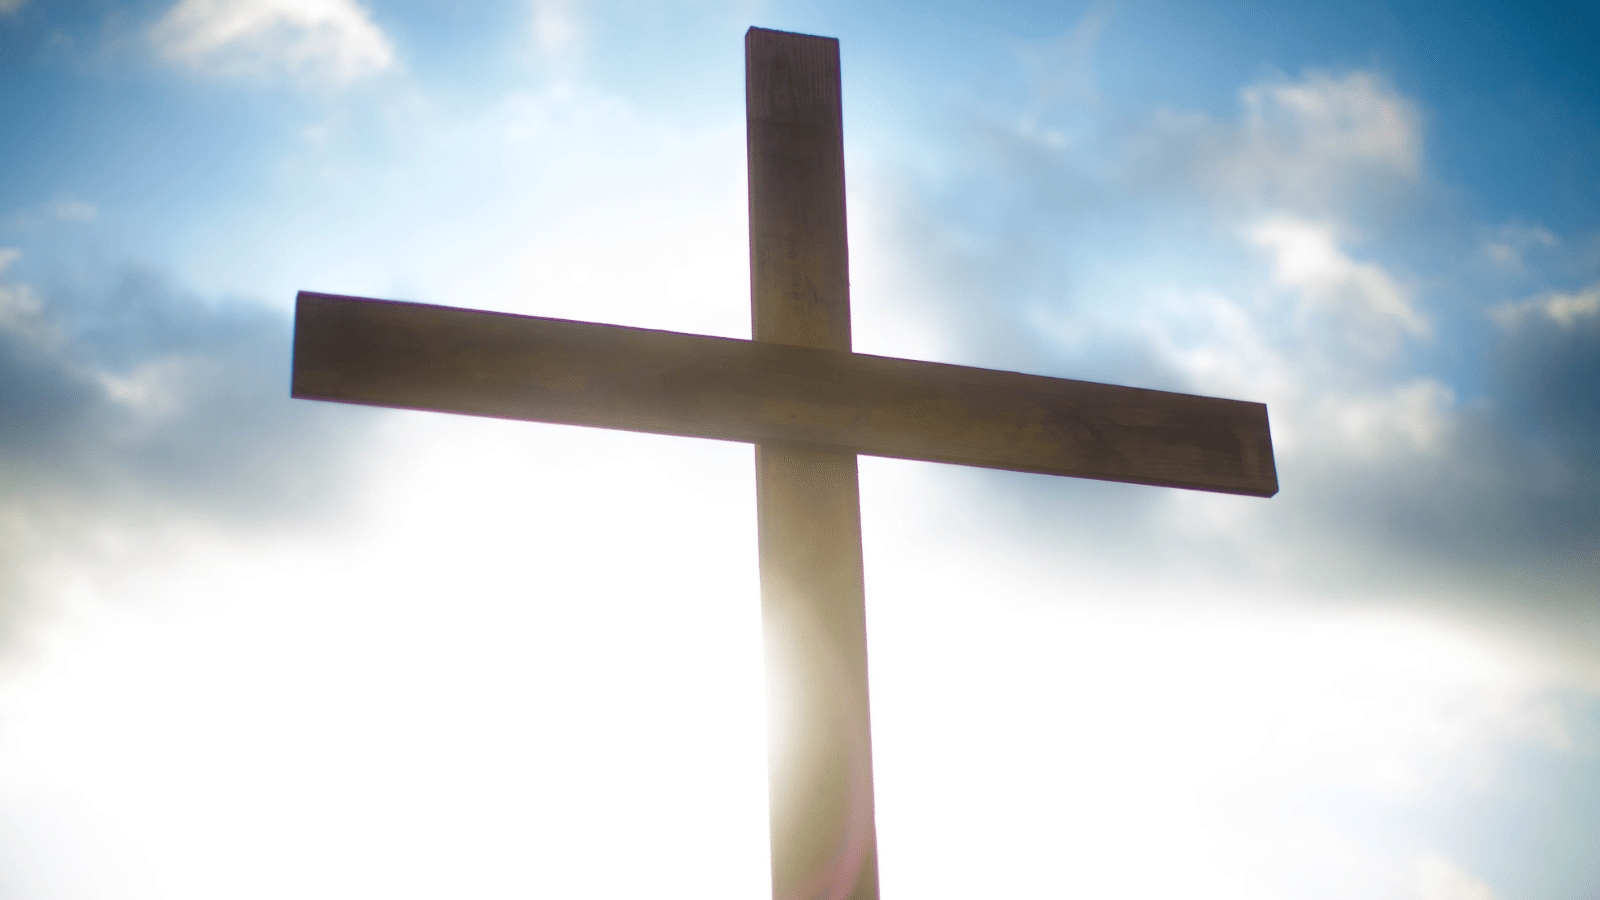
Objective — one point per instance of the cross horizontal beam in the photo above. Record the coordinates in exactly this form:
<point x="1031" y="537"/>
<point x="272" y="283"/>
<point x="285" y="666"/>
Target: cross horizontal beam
<point x="386" y="353"/>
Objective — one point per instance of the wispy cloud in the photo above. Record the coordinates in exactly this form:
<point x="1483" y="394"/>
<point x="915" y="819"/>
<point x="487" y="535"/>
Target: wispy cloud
<point x="332" y="40"/>
<point x="1308" y="260"/>
<point x="1511" y="242"/>
<point x="1316" y="145"/>
<point x="1063" y="68"/>
<point x="1567" y="310"/>
<point x="1334" y="122"/>
<point x="20" y="310"/>
<point x="61" y="208"/>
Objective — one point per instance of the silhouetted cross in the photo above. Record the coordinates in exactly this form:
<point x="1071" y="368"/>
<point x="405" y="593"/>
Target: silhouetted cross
<point x="809" y="405"/>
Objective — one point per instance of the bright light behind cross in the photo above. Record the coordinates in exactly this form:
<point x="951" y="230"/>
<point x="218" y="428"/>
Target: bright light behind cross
<point x="518" y="669"/>
<point x="538" y="669"/>
<point x="533" y="666"/>
<point x="528" y="661"/>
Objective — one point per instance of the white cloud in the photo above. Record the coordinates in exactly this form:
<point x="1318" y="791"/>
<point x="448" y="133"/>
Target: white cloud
<point x="18" y="306"/>
<point x="1308" y="260"/>
<point x="20" y="309"/>
<point x="330" y="39"/>
<point x="7" y="7"/>
<point x="1511" y="241"/>
<point x="1409" y="418"/>
<point x="1440" y="879"/>
<point x="70" y="210"/>
<point x="62" y="208"/>
<point x="1219" y="343"/>
<point x="1356" y="118"/>
<point x="1566" y="310"/>
<point x="154" y="391"/>
<point x="1063" y="68"/>
<point x="1319" y="143"/>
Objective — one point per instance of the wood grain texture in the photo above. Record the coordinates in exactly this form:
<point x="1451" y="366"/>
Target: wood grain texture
<point x="808" y="505"/>
<point x="384" y="353"/>
<point x="794" y="136"/>
<point x="813" y="617"/>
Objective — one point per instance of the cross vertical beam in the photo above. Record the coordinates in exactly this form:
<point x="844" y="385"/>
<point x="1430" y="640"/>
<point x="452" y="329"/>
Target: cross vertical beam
<point x="824" y="841"/>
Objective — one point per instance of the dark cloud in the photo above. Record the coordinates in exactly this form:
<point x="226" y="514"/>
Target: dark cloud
<point x="1507" y="514"/>
<point x="1512" y="491"/>
<point x="1549" y="372"/>
<point x="132" y="406"/>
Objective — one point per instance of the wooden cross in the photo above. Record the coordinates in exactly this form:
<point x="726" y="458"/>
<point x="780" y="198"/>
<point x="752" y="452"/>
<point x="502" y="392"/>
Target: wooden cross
<point x="810" y="406"/>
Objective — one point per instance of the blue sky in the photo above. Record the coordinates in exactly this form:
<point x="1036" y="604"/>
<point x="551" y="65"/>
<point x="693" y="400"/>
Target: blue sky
<point x="252" y="646"/>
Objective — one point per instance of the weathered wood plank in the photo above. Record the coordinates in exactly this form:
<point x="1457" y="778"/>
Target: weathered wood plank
<point x="808" y="505"/>
<point x="794" y="140"/>
<point x="384" y="353"/>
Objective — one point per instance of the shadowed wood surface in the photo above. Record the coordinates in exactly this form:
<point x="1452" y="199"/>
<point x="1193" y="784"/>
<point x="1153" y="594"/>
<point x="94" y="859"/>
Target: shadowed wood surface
<point x="794" y="141"/>
<point x="808" y="506"/>
<point x="384" y="353"/>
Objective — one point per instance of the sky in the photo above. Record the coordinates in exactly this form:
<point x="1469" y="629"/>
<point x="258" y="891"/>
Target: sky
<point x="260" y="647"/>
